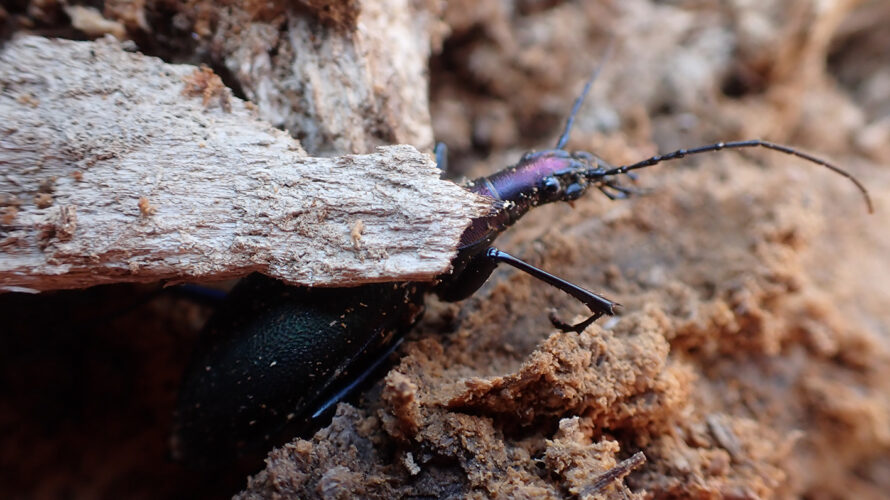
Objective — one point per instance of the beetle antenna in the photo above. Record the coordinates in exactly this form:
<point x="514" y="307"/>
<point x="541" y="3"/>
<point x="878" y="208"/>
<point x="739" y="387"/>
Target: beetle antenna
<point x="681" y="153"/>
<point x="564" y="138"/>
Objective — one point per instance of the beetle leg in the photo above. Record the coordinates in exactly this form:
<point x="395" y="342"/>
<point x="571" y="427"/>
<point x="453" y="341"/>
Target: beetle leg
<point x="357" y="381"/>
<point x="618" y="192"/>
<point x="612" y="196"/>
<point x="566" y="327"/>
<point x="441" y="152"/>
<point x="625" y="189"/>
<point x="597" y="304"/>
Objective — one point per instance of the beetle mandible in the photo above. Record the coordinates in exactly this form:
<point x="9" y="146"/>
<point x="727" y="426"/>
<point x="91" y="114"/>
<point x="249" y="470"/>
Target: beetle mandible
<point x="276" y="354"/>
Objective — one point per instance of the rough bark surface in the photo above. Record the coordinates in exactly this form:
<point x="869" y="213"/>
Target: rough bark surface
<point x="343" y="77"/>
<point x="118" y="167"/>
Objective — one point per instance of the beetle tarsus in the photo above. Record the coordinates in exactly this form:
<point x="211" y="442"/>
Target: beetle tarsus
<point x="567" y="327"/>
<point x="342" y="393"/>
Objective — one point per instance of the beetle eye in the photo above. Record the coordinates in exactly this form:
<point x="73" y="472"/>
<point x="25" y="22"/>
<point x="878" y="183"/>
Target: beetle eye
<point x="550" y="185"/>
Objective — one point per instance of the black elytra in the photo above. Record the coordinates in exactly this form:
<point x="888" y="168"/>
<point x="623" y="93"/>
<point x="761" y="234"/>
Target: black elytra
<point x="275" y="354"/>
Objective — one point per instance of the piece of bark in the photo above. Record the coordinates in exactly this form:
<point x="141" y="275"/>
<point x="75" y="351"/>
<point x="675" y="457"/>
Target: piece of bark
<point x="118" y="167"/>
<point x="343" y="79"/>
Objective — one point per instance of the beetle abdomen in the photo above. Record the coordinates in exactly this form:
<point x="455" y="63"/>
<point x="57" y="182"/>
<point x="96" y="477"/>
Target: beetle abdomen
<point x="273" y="353"/>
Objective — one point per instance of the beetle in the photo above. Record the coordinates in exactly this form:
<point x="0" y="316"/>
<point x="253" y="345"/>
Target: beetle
<point x="275" y="354"/>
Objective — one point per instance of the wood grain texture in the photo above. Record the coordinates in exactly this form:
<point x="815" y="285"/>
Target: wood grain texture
<point x="343" y="79"/>
<point x="119" y="167"/>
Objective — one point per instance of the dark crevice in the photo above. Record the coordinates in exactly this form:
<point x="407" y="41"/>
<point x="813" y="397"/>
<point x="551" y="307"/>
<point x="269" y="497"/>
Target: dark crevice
<point x="743" y="80"/>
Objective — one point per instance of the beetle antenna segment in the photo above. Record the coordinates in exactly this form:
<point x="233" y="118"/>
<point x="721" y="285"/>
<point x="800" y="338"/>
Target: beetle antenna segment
<point x="681" y="153"/>
<point x="564" y="138"/>
<point x="597" y="304"/>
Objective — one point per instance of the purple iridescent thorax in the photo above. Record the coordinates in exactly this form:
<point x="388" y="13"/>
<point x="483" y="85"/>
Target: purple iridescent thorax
<point x="524" y="178"/>
<point x="520" y="187"/>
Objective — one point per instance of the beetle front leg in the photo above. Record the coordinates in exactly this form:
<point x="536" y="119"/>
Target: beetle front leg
<point x="597" y="304"/>
<point x="481" y="265"/>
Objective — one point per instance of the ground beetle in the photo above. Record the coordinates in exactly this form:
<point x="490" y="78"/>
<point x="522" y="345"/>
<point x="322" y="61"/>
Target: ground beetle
<point x="276" y="354"/>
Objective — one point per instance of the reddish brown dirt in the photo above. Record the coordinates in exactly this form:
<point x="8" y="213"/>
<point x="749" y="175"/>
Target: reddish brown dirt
<point x="752" y="355"/>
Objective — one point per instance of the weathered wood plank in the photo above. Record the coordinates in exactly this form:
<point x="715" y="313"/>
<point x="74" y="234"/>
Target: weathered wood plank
<point x="117" y="167"/>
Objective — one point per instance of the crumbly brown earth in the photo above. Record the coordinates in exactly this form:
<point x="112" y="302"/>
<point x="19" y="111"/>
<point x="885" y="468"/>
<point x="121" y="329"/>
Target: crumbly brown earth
<point x="751" y="358"/>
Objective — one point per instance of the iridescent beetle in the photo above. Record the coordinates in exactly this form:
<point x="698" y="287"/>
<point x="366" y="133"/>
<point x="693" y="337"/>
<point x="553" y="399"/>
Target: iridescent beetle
<point x="275" y="355"/>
